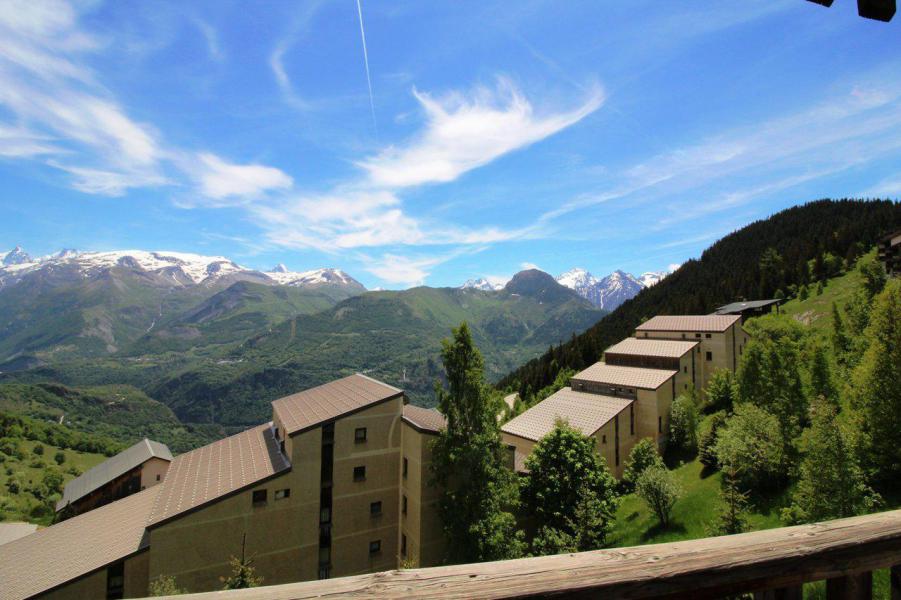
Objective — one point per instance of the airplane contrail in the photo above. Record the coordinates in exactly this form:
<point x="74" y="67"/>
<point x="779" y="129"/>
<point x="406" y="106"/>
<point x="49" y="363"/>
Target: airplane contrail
<point x="366" y="62"/>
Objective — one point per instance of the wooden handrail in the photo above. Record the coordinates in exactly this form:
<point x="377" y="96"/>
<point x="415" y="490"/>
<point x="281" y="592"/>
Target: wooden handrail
<point x="705" y="568"/>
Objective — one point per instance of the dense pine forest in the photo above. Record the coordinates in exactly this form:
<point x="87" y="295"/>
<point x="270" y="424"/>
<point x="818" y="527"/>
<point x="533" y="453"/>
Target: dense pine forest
<point x="768" y="258"/>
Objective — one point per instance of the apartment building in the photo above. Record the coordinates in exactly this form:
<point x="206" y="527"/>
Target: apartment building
<point x="628" y="396"/>
<point x="336" y="484"/>
<point x="137" y="468"/>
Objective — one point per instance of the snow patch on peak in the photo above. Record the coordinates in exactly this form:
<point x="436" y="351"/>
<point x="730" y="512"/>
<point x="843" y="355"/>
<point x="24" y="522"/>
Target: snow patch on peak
<point x="279" y="268"/>
<point x="328" y="276"/>
<point x="16" y="256"/>
<point x="481" y="284"/>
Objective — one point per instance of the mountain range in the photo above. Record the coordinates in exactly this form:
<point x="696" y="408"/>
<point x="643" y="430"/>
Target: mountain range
<point x="215" y="341"/>
<point x="606" y="293"/>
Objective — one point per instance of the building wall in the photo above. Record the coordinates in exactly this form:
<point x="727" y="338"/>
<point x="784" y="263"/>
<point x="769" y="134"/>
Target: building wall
<point x="719" y="345"/>
<point x="353" y="526"/>
<point x="153" y="472"/>
<point x="93" y="585"/>
<point x="606" y="440"/>
<point x="421" y="524"/>
<point x="653" y="413"/>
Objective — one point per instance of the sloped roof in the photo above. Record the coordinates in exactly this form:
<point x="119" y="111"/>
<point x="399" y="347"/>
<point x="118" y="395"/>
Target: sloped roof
<point x="655" y="348"/>
<point x="15" y="530"/>
<point x="427" y="420"/>
<point x="738" y="307"/>
<point x="215" y="470"/>
<point x="583" y="411"/>
<point x="111" y="468"/>
<point x="711" y="323"/>
<point x="53" y="556"/>
<point x="309" y="408"/>
<point x="637" y="377"/>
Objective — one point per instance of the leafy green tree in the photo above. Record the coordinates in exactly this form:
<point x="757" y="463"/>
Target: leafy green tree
<point x="732" y="517"/>
<point x="721" y="391"/>
<point x="659" y="490"/>
<point x="684" y="418"/>
<point x="831" y="484"/>
<point x="164" y="585"/>
<point x="822" y="383"/>
<point x="569" y="488"/>
<point x="841" y="343"/>
<point x="877" y="384"/>
<point x="469" y="463"/>
<point x="707" y="441"/>
<point x="643" y="455"/>
<point x="751" y="438"/>
<point x="60" y="457"/>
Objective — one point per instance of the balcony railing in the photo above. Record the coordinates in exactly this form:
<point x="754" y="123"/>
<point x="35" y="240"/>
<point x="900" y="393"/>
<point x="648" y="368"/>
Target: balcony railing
<point x="772" y="564"/>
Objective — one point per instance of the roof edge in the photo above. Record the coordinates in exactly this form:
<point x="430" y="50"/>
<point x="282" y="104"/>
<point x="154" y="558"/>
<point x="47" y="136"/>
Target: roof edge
<point x="399" y="394"/>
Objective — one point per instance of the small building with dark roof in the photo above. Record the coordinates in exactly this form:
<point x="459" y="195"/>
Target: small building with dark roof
<point x="889" y="252"/>
<point x="134" y="469"/>
<point x="749" y="308"/>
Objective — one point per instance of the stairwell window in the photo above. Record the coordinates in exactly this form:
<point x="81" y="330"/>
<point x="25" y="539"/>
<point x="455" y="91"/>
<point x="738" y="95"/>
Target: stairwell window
<point x="403" y="545"/>
<point x="375" y="508"/>
<point x="659" y="424"/>
<point x="406" y="466"/>
<point x="709" y="355"/>
<point x="115" y="581"/>
<point x="359" y="473"/>
<point x="360" y="435"/>
<point x="404" y="505"/>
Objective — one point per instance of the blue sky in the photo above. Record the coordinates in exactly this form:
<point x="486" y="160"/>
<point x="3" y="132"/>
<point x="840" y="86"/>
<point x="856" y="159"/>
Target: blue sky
<point x="604" y="135"/>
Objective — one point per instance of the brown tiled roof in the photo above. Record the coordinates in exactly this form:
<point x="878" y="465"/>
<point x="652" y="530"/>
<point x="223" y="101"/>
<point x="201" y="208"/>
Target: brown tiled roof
<point x="50" y="557"/>
<point x="585" y="412"/>
<point x="637" y="377"/>
<point x="655" y="348"/>
<point x="711" y="323"/>
<point x="311" y="407"/>
<point x="424" y="419"/>
<point x="212" y="471"/>
<point x="111" y="468"/>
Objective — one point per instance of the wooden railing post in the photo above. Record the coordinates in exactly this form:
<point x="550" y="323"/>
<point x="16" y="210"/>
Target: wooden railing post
<point x="795" y="592"/>
<point x="896" y="582"/>
<point x="858" y="586"/>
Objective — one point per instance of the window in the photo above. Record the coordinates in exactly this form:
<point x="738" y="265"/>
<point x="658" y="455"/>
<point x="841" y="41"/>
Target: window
<point x="359" y="473"/>
<point x="375" y="508"/>
<point x="405" y="467"/>
<point x="659" y="424"/>
<point x="631" y="419"/>
<point x="685" y="369"/>
<point x="115" y="581"/>
<point x="325" y="555"/>
<point x="282" y="494"/>
<point x="697" y="335"/>
<point x="684" y="386"/>
<point x="404" y="505"/>
<point x="360" y="435"/>
<point x="323" y="572"/>
<point x="683" y="336"/>
<point x="707" y="335"/>
<point x="157" y="476"/>
<point x="325" y="515"/>
<point x="604" y="438"/>
<point x="403" y="545"/>
<point x="709" y="355"/>
<point x="375" y="546"/>
<point x="259" y="497"/>
<point x="328" y="433"/>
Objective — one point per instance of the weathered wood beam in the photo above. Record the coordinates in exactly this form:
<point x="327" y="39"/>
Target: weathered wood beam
<point x="795" y="592"/>
<point x="858" y="586"/>
<point x="705" y="568"/>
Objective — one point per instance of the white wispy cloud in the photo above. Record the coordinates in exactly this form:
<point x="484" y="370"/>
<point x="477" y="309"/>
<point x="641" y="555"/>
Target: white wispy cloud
<point x="65" y="117"/>
<point x="465" y="131"/>
<point x="223" y="180"/>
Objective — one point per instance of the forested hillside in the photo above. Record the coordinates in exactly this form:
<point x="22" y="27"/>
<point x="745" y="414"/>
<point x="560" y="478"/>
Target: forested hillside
<point x="767" y="258"/>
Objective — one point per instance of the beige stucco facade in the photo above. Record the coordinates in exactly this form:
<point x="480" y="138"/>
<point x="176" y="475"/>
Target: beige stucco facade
<point x="421" y="529"/>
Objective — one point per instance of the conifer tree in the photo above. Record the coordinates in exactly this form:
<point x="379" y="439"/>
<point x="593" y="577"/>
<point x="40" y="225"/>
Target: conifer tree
<point x="469" y="463"/>
<point x="243" y="574"/>
<point x="733" y="516"/>
<point x="841" y="344"/>
<point x="877" y="383"/>
<point x="831" y="483"/>
<point x="822" y="384"/>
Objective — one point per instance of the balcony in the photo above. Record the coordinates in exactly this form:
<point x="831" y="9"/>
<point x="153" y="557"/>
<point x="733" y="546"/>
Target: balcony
<point x="772" y="564"/>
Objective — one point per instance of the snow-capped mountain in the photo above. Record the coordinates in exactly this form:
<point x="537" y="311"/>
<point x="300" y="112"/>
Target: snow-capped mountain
<point x="610" y="291"/>
<point x="16" y="256"/>
<point x="175" y="268"/>
<point x="281" y="275"/>
<point x="482" y="284"/>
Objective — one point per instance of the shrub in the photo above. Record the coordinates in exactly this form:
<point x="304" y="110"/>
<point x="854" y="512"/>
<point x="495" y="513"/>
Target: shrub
<point x="643" y="455"/>
<point x="684" y="424"/>
<point x="39" y="450"/>
<point x="660" y="491"/>
<point x="707" y="442"/>
<point x="751" y="439"/>
<point x="60" y="457"/>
